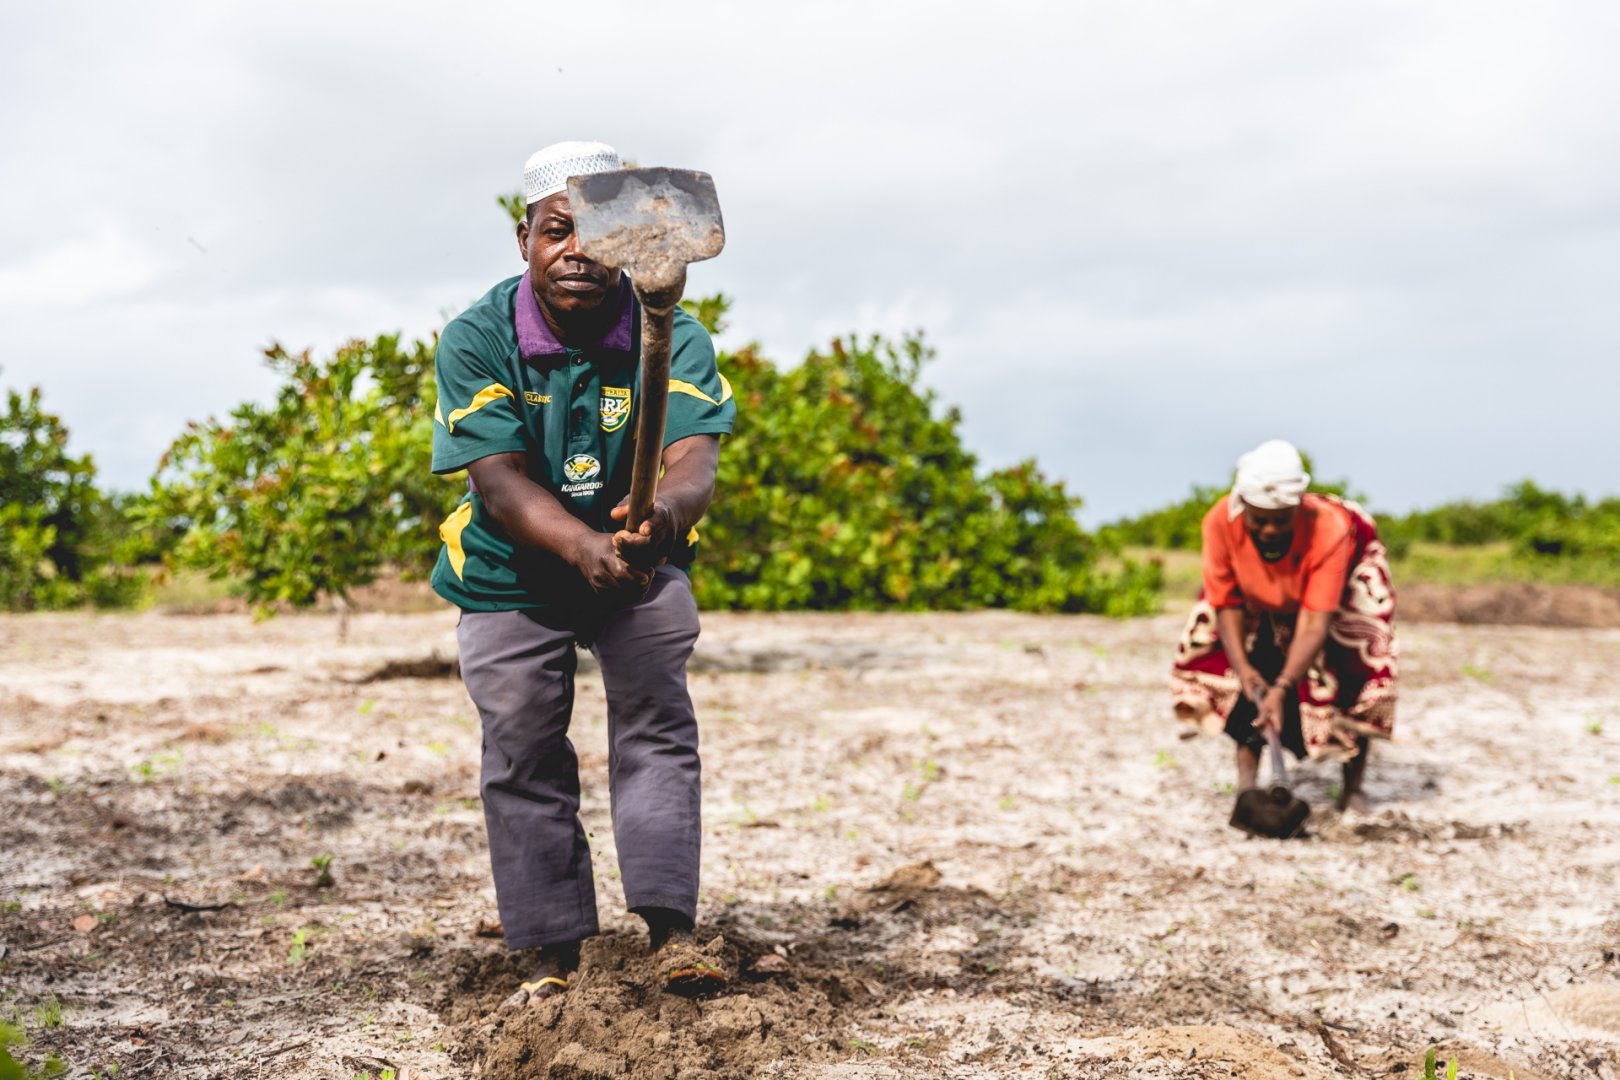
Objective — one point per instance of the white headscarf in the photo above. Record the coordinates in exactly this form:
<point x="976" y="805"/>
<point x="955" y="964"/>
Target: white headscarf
<point x="1270" y="477"/>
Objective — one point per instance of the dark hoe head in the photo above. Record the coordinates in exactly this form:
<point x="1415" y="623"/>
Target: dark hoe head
<point x="1274" y="812"/>
<point x="650" y="222"/>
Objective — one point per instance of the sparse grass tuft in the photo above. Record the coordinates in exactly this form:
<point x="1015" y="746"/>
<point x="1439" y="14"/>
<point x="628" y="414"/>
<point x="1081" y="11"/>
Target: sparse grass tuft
<point x="48" y="1012"/>
<point x="159" y="766"/>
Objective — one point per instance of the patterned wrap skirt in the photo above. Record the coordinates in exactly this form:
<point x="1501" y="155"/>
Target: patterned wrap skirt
<point x="1350" y="689"/>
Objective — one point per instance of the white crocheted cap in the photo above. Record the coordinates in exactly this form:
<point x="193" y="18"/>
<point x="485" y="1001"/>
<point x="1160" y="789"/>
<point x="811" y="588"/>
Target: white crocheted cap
<point x="547" y="171"/>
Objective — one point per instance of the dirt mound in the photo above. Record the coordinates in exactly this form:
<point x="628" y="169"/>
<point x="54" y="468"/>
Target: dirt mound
<point x="1514" y="604"/>
<point x="615" y="1021"/>
<point x="432" y="666"/>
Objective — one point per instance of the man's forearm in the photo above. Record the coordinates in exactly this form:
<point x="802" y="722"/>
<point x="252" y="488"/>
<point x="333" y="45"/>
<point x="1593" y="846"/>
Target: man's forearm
<point x="686" y="490"/>
<point x="525" y="511"/>
<point x="687" y="486"/>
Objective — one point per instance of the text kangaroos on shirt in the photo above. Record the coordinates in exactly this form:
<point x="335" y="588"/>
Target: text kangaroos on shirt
<point x="580" y="472"/>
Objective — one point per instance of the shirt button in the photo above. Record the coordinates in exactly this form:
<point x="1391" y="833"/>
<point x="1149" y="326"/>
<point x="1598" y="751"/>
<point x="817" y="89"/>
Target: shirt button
<point x="578" y="360"/>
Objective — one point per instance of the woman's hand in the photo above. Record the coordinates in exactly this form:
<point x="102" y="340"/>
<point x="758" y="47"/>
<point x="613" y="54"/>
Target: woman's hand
<point x="1271" y="710"/>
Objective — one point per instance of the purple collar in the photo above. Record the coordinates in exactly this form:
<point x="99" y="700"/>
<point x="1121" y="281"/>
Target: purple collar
<point x="535" y="339"/>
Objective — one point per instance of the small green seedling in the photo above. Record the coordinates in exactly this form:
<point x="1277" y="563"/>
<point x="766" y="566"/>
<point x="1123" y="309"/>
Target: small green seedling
<point x="323" y="870"/>
<point x="1164" y="759"/>
<point x="1411" y="884"/>
<point x="300" y="945"/>
<point x="1429" y="1067"/>
<point x="157" y="767"/>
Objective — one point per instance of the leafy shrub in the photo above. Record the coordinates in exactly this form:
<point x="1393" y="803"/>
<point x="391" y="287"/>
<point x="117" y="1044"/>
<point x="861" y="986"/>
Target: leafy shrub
<point x="1548" y="535"/>
<point x="59" y="535"/>
<point x="841" y="488"/>
<point x="320" y="490"/>
<point x="1177" y="527"/>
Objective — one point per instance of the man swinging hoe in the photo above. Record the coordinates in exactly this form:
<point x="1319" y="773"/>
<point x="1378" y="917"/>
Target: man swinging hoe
<point x="552" y="396"/>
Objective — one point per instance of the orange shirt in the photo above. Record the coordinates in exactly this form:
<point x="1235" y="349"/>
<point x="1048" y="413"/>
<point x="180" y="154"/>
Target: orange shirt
<point x="1311" y="576"/>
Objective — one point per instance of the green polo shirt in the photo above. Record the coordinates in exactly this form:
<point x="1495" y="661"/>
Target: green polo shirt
<point x="506" y="385"/>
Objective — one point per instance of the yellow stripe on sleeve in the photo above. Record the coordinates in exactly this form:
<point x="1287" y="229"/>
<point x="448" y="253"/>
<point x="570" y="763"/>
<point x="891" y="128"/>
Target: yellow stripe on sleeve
<point x="680" y="386"/>
<point x="438" y="414"/>
<point x="492" y="392"/>
<point x="450" y="532"/>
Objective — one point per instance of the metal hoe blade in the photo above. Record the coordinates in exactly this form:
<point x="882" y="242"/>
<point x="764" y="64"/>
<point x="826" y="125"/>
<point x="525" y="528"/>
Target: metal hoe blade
<point x="650" y="222"/>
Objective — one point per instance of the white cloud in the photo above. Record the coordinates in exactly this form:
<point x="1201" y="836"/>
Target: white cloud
<point x="1142" y="236"/>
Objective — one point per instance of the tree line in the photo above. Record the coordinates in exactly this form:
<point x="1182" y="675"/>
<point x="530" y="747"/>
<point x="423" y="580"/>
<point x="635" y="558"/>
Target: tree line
<point x="845" y="486"/>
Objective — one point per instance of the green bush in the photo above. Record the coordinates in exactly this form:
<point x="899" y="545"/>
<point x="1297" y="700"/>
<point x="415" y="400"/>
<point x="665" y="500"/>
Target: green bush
<point x="842" y="489"/>
<point x="60" y="537"/>
<point x="1177" y="527"/>
<point x="1550" y="535"/>
<point x="319" y="491"/>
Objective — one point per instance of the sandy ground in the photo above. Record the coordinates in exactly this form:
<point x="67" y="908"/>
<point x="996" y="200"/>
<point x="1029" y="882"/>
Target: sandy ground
<point x="936" y="846"/>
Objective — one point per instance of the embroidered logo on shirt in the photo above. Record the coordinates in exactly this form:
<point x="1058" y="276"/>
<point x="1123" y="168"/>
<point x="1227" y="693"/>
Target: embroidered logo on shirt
<point x="615" y="407"/>
<point x="581" y="467"/>
<point x="580" y="472"/>
<point x="536" y="399"/>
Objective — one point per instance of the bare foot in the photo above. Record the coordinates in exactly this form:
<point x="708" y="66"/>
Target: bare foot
<point x="553" y="971"/>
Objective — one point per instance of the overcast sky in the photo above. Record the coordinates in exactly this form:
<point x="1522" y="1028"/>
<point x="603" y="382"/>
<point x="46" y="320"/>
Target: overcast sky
<point x="1143" y="236"/>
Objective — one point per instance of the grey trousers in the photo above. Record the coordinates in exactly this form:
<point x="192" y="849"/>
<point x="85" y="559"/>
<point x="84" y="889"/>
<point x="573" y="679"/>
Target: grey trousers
<point x="519" y="669"/>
